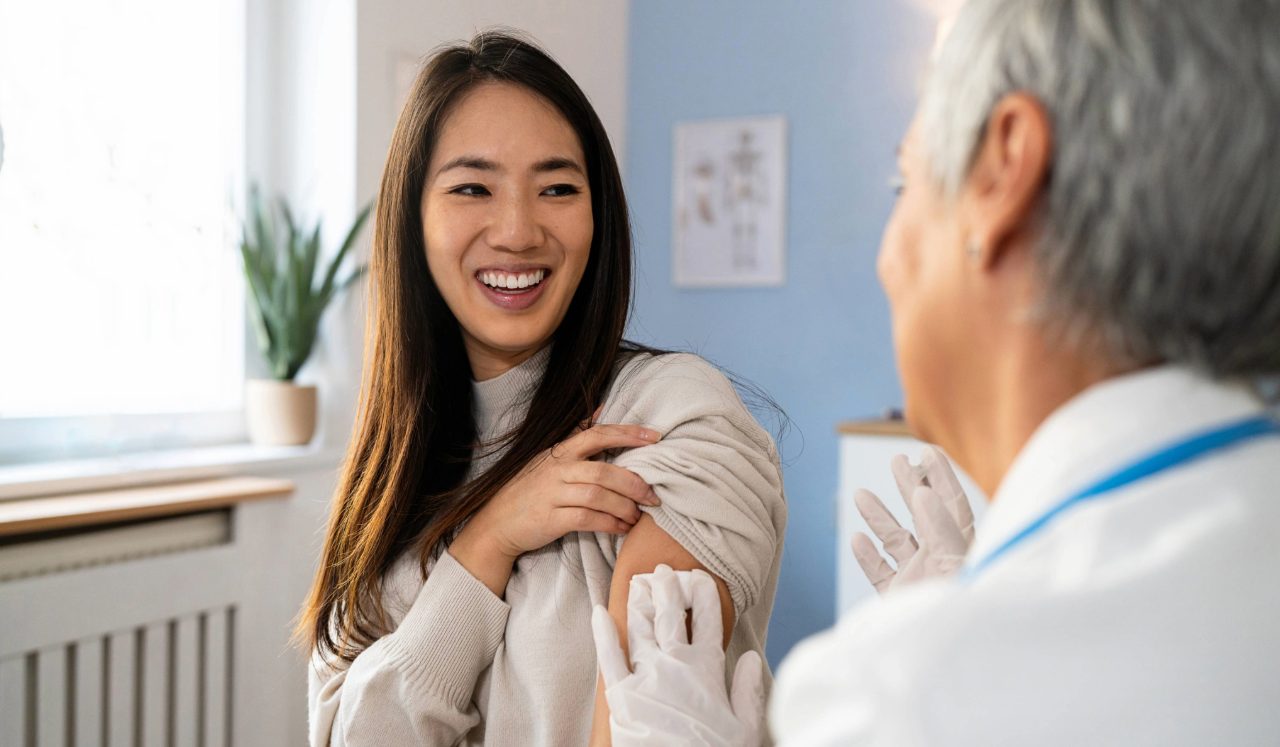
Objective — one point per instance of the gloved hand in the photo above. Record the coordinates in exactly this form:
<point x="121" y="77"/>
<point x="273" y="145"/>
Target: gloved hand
<point x="676" y="695"/>
<point x="942" y="516"/>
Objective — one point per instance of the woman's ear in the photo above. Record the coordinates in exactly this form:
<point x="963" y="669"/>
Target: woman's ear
<point x="1008" y="175"/>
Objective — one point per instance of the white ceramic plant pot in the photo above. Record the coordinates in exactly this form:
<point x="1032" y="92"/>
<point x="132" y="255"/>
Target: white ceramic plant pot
<point x="279" y="413"/>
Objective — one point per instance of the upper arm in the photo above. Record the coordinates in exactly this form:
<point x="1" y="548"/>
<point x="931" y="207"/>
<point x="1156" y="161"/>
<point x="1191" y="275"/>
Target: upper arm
<point x="647" y="545"/>
<point x="717" y="473"/>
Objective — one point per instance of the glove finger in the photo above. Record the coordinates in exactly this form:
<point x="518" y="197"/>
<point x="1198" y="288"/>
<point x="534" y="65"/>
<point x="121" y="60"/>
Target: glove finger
<point x="942" y="478"/>
<point x="669" y="607"/>
<point x="704" y="599"/>
<point x="897" y="541"/>
<point x="640" y="636"/>
<point x="613" y="663"/>
<point x="941" y="537"/>
<point x="877" y="569"/>
<point x="907" y="475"/>
<point x="747" y="694"/>
<point x="945" y="565"/>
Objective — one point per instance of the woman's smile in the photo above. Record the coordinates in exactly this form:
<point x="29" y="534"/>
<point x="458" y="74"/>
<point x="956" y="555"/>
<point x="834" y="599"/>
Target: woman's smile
<point x="507" y="222"/>
<point x="514" y="288"/>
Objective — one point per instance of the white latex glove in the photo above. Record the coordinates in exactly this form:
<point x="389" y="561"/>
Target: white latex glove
<point x="942" y="516"/>
<point x="676" y="694"/>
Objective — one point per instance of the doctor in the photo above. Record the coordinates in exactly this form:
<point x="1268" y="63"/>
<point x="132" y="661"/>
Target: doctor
<point x="1084" y="275"/>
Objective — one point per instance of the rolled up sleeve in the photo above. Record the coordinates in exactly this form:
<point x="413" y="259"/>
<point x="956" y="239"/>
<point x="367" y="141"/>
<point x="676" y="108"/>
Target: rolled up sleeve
<point x="715" y="469"/>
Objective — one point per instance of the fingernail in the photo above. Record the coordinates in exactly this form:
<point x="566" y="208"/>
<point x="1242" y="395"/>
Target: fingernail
<point x="649" y="434"/>
<point x="654" y="500"/>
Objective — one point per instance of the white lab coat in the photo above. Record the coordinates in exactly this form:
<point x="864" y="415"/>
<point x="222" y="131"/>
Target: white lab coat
<point x="1148" y="616"/>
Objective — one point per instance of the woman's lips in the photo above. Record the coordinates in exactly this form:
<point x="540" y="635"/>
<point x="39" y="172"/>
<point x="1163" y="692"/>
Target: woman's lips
<point x="517" y="299"/>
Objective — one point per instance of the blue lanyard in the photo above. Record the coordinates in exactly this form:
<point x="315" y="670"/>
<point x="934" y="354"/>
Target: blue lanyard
<point x="1171" y="456"/>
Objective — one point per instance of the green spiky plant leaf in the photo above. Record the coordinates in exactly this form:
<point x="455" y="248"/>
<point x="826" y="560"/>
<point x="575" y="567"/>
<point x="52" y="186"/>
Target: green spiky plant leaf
<point x="287" y="302"/>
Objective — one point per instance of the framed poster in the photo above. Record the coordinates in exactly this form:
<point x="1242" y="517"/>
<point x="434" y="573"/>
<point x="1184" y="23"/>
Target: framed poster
<point x="729" y="212"/>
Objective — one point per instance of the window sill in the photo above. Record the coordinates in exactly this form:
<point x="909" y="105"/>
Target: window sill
<point x="134" y="470"/>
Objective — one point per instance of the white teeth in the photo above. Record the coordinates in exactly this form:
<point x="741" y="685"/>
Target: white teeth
<point x="506" y="281"/>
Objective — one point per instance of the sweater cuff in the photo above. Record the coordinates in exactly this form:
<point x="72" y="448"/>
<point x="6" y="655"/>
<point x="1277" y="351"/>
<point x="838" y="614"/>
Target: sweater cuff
<point x="451" y="633"/>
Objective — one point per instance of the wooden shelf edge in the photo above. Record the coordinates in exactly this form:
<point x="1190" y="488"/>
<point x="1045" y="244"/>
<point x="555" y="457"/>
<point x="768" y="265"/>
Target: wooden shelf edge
<point x="109" y="506"/>
<point x="874" y="428"/>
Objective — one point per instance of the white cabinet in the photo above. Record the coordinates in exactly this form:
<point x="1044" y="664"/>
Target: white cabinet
<point x="865" y="451"/>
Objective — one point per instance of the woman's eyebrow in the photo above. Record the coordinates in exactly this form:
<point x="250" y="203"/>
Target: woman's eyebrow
<point x="469" y="162"/>
<point x="557" y="163"/>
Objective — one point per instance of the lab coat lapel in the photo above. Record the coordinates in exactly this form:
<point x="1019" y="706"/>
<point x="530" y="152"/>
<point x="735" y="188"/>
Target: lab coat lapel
<point x="1101" y="430"/>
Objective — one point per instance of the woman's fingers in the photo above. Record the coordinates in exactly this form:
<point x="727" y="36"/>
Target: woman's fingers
<point x="611" y="477"/>
<point x="578" y="519"/>
<point x="584" y="425"/>
<point x="600" y="438"/>
<point x="596" y="498"/>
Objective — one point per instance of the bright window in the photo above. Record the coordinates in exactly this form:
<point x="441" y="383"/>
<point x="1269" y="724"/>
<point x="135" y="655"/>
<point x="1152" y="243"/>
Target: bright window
<point x="121" y="303"/>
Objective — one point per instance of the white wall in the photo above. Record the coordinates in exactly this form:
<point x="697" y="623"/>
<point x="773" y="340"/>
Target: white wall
<point x="301" y="143"/>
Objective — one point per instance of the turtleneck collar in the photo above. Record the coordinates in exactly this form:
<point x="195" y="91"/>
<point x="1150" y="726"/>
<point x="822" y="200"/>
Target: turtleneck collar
<point x="501" y="402"/>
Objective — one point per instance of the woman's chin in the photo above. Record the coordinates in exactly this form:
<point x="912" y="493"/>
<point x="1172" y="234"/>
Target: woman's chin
<point x="514" y="339"/>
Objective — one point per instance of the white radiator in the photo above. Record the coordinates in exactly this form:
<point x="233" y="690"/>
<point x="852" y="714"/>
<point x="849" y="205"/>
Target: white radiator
<point x="174" y="638"/>
<point x="113" y="545"/>
<point x="167" y="684"/>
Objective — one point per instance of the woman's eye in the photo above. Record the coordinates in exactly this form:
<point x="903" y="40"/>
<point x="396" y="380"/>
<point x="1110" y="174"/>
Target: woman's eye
<point x="560" y="190"/>
<point x="469" y="190"/>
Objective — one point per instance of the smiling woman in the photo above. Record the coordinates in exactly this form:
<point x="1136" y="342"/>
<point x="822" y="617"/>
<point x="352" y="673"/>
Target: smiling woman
<point x="511" y="438"/>
<point x="507" y="222"/>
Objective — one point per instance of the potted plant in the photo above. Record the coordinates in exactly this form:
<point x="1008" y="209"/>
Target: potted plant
<point x="286" y="306"/>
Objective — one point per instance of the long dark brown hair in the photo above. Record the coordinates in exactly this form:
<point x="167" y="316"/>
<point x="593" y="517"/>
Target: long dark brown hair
<point x="403" y="484"/>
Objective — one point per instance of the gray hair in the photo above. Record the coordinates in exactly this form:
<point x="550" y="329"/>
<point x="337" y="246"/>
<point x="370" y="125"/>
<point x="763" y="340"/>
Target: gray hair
<point x="1161" y="217"/>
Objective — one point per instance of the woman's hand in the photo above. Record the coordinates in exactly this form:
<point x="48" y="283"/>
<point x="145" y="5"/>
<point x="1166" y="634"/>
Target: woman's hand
<point x="561" y="491"/>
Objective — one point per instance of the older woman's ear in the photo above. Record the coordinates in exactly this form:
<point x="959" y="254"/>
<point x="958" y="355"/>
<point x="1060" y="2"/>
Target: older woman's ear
<point x="1006" y="182"/>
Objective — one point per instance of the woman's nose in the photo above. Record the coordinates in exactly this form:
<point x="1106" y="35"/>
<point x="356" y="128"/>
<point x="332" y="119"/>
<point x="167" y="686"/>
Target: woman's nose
<point x="516" y="228"/>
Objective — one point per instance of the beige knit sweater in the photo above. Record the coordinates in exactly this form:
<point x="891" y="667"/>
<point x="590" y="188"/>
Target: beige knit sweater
<point x="466" y="667"/>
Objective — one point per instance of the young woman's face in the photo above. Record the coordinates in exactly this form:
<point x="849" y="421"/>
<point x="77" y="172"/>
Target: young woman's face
<point x="506" y="215"/>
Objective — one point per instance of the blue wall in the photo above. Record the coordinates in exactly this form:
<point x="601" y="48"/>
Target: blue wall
<point x="844" y="73"/>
